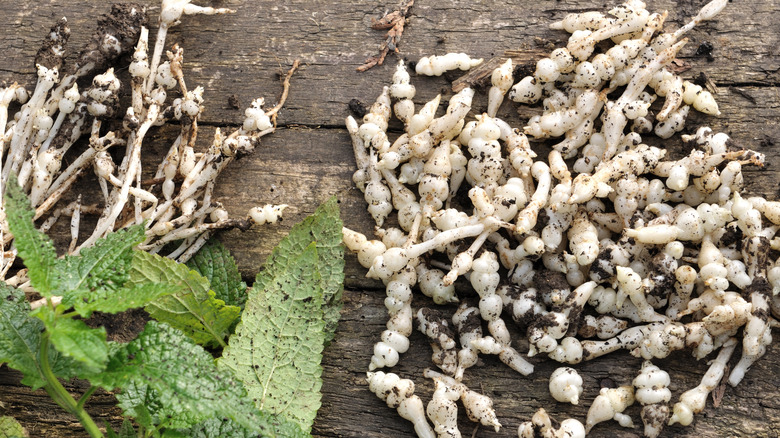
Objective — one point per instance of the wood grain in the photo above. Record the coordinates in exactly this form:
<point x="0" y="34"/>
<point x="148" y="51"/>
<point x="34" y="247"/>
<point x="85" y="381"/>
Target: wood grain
<point x="309" y="159"/>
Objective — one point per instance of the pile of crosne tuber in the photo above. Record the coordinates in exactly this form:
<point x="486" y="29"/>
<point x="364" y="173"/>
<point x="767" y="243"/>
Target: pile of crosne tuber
<point x="602" y="246"/>
<point x="40" y="143"/>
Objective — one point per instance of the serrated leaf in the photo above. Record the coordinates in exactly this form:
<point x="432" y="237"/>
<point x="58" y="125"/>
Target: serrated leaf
<point x="75" y="339"/>
<point x="143" y="403"/>
<point x="136" y="401"/>
<point x="34" y="247"/>
<point x="93" y="278"/>
<point x="324" y="228"/>
<point x="277" y="348"/>
<point x="10" y="428"/>
<point x="214" y="262"/>
<point x="123" y="299"/>
<point x="104" y="265"/>
<point x="126" y="431"/>
<point x="272" y="427"/>
<point x="20" y="337"/>
<point x="194" y="310"/>
<point x="182" y="374"/>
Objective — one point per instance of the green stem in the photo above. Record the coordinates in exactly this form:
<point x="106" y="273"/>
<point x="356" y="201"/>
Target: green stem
<point x="85" y="397"/>
<point x="61" y="396"/>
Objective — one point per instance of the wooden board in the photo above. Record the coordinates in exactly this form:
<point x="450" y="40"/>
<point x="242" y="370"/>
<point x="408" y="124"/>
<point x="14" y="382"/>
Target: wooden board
<point x="309" y="159"/>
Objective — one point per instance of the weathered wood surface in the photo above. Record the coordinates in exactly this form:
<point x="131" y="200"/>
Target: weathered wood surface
<point x="309" y="159"/>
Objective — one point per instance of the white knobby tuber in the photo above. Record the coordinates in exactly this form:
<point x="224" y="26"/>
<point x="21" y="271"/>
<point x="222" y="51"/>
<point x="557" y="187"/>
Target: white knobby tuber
<point x="692" y="401"/>
<point x="604" y="244"/>
<point x="566" y="385"/>
<point x="653" y="394"/>
<point x="436" y="65"/>
<point x="609" y="405"/>
<point x="399" y="394"/>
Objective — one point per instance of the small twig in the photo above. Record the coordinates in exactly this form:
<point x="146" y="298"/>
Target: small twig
<point x="394" y="22"/>
<point x="480" y="75"/>
<point x="744" y="94"/>
<point x="679" y="66"/>
<point x="720" y="390"/>
<point x="285" y="90"/>
<point x="176" y="57"/>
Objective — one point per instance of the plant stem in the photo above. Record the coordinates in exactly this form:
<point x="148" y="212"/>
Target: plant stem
<point x="85" y="397"/>
<point x="61" y="396"/>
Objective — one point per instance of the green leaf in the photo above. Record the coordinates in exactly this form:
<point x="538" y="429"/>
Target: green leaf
<point x="182" y="374"/>
<point x="94" y="280"/>
<point x="125" y="298"/>
<point x="271" y="427"/>
<point x="34" y="247"/>
<point x="214" y="262"/>
<point x="277" y="348"/>
<point x="10" y="428"/>
<point x="126" y="431"/>
<point x="104" y="265"/>
<point x="139" y="401"/>
<point x="324" y="228"/>
<point x="143" y="403"/>
<point x="75" y="339"/>
<point x="20" y="338"/>
<point x="194" y="310"/>
<point x="91" y="280"/>
<point x="20" y="335"/>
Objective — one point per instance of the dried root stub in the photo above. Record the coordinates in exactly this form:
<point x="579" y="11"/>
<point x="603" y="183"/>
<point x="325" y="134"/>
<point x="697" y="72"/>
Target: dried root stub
<point x="176" y="204"/>
<point x="603" y="237"/>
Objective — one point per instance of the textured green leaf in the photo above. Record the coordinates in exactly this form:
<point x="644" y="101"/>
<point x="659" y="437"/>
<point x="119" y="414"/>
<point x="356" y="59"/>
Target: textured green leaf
<point x="324" y="228"/>
<point x="143" y="403"/>
<point x="182" y="374"/>
<point x="126" y="431"/>
<point x="104" y="265"/>
<point x="272" y="427"/>
<point x="123" y="299"/>
<point x="20" y="335"/>
<point x="214" y="262"/>
<point x="194" y="310"/>
<point x="136" y="401"/>
<point x="277" y="348"/>
<point x="93" y="280"/>
<point x="34" y="247"/>
<point x="20" y="338"/>
<point x="75" y="339"/>
<point x="10" y="428"/>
